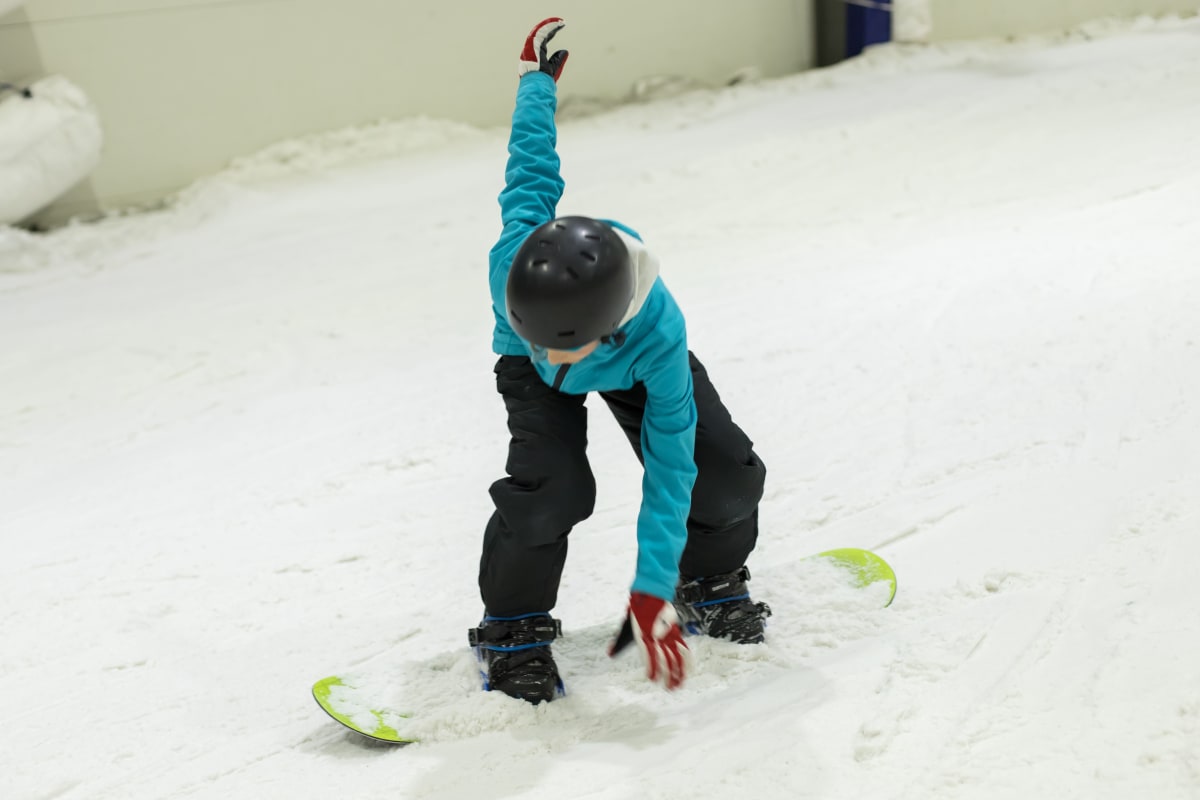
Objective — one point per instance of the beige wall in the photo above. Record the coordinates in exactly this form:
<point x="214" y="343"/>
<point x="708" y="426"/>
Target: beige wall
<point x="969" y="19"/>
<point x="184" y="85"/>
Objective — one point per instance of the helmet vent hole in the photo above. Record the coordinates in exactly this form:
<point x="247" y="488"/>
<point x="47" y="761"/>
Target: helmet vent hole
<point x="589" y="256"/>
<point x="558" y="226"/>
<point x="591" y="236"/>
<point x="566" y="333"/>
<point x="541" y="262"/>
<point x="571" y="271"/>
<point x="516" y="316"/>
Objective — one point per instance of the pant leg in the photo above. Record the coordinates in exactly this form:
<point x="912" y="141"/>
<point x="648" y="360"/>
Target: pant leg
<point x="723" y="520"/>
<point x="549" y="489"/>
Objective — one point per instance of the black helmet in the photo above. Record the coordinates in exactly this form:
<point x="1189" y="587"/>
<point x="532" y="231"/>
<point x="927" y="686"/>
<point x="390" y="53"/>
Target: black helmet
<point x="571" y="283"/>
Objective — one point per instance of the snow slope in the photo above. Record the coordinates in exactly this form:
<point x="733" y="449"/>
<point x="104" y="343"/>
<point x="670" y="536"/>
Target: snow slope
<point x="950" y="292"/>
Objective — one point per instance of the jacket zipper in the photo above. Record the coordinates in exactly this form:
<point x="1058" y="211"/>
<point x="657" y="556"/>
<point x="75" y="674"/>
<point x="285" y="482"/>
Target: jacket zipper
<point x="558" y="378"/>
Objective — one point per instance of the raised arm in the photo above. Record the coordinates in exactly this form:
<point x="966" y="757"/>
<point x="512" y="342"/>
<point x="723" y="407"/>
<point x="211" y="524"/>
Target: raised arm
<point x="532" y="183"/>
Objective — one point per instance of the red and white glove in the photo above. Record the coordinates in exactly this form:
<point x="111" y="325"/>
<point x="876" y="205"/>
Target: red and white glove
<point x="652" y="623"/>
<point x="534" y="58"/>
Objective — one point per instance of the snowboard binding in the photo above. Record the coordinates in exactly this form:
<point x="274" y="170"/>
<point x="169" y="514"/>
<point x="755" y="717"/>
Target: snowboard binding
<point x="515" y="658"/>
<point x="720" y="606"/>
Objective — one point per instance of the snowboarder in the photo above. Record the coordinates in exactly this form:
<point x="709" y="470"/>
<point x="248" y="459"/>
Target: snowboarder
<point x="579" y="308"/>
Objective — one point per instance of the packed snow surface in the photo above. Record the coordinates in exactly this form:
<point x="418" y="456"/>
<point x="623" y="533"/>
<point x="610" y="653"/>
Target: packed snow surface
<point x="952" y="294"/>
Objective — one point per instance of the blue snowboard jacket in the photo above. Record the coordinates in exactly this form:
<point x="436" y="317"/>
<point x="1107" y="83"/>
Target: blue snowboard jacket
<point x="654" y="352"/>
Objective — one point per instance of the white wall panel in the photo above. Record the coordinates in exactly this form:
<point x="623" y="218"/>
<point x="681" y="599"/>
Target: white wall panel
<point x="184" y="85"/>
<point x="969" y="19"/>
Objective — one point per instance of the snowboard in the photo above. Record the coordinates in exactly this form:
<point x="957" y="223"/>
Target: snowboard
<point x="864" y="568"/>
<point x="342" y="700"/>
<point x="360" y="710"/>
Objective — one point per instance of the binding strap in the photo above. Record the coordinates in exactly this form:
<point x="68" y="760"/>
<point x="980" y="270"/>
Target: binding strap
<point x="716" y="589"/>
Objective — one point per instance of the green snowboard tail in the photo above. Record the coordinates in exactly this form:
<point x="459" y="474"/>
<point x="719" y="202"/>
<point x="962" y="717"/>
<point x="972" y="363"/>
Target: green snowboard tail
<point x="865" y="568"/>
<point x="342" y="700"/>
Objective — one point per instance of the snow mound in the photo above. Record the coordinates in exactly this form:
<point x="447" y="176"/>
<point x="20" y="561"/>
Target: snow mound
<point x="346" y="146"/>
<point x="50" y="139"/>
<point x="87" y="244"/>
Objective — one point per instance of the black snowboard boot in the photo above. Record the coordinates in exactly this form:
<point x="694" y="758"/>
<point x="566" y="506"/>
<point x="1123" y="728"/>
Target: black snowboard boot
<point x="720" y="606"/>
<point x="516" y="653"/>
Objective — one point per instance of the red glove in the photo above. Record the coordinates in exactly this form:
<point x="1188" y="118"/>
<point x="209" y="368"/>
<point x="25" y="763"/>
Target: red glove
<point x="534" y="57"/>
<point x="654" y="625"/>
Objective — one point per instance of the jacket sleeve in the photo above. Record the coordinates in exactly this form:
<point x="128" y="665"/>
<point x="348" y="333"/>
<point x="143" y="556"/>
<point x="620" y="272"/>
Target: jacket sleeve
<point x="668" y="450"/>
<point x="532" y="183"/>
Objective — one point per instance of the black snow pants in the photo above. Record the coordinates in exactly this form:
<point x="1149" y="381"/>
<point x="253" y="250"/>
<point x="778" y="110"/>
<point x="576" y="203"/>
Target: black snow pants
<point x="550" y="487"/>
